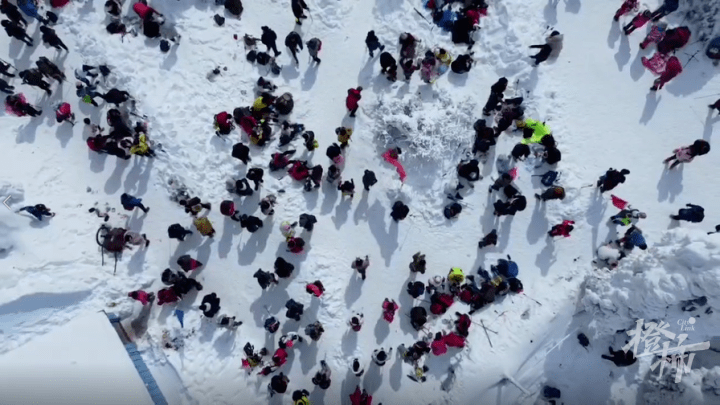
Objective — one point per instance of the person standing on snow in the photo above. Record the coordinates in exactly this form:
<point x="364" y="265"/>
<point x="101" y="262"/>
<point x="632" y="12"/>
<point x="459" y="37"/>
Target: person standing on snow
<point x="672" y="69"/>
<point x="694" y="213"/>
<point x="300" y="397"/>
<point x="256" y="176"/>
<point x="293" y="41"/>
<point x="686" y="154"/>
<point x="356" y="322"/>
<point x="16" y="31"/>
<point x="372" y="42"/>
<point x="210" y="305"/>
<point x="64" y="113"/>
<point x="307" y="222"/>
<point x="177" y="231"/>
<point x="343" y="134"/>
<point x="49" y="37"/>
<point x="351" y="102"/>
<point x="322" y="377"/>
<point x="369" y="179"/>
<point x="666" y="8"/>
<point x="297" y="8"/>
<point x="267" y="204"/>
<point x="361" y="266"/>
<point x="626" y="7"/>
<point x="715" y="106"/>
<point x="278" y="384"/>
<point x="470" y="171"/>
<point x="611" y="179"/>
<point x="399" y="211"/>
<point x="389" y="66"/>
<point x="268" y="38"/>
<point x="637" y="22"/>
<point x="314" y="45"/>
<point x="563" y="229"/>
<point x="496" y="96"/>
<point x="551" y="48"/>
<point x="347" y="188"/>
<point x="38" y="211"/>
<point x="265" y="278"/>
<point x="380" y="356"/>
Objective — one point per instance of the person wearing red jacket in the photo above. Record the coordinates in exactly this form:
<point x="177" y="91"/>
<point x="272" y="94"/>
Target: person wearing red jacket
<point x="223" y="123"/>
<point x="627" y="6"/>
<point x="64" y="113"/>
<point x="143" y="10"/>
<point x="316" y="288"/>
<point x="351" y="102"/>
<point x="563" y="229"/>
<point x="672" y="69"/>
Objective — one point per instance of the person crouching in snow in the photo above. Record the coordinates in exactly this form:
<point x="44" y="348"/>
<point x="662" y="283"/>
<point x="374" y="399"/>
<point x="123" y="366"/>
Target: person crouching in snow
<point x="611" y="179"/>
<point x="351" y="102"/>
<point x="563" y="229"/>
<point x="469" y="171"/>
<point x="295" y="245"/>
<point x="265" y="278"/>
<point x="142" y="296"/>
<point x="314" y="330"/>
<point x="399" y="211"/>
<point x="322" y="377"/>
<point x="315" y="288"/>
<point x="267" y="204"/>
<point x="361" y="266"/>
<point x="223" y="124"/>
<point x="452" y="210"/>
<point x="633" y="237"/>
<point x="38" y="211"/>
<point x="314" y="45"/>
<point x="187" y="263"/>
<point x="63" y="112"/>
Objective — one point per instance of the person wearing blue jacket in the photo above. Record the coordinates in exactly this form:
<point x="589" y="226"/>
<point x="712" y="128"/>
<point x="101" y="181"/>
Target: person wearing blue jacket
<point x="129" y="203"/>
<point x="38" y="211"/>
<point x="29" y="7"/>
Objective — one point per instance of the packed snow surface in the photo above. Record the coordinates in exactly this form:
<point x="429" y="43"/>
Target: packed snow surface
<point x="594" y="97"/>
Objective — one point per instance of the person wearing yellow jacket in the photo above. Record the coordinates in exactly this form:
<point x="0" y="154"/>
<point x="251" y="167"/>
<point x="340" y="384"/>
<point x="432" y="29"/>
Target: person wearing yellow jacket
<point x="300" y="397"/>
<point x="142" y="148"/>
<point x="445" y="60"/>
<point x="456" y="275"/>
<point x="539" y="130"/>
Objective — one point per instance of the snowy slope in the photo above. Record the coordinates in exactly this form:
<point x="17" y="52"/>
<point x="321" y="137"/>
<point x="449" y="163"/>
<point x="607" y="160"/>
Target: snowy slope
<point x="594" y="97"/>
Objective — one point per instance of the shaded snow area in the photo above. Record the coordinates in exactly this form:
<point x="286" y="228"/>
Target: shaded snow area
<point x="595" y="98"/>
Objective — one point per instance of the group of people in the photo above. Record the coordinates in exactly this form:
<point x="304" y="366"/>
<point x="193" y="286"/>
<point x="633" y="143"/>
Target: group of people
<point x="268" y="116"/>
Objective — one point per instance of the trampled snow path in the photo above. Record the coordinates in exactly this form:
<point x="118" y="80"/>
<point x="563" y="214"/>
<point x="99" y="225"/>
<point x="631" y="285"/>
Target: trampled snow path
<point x="594" y="97"/>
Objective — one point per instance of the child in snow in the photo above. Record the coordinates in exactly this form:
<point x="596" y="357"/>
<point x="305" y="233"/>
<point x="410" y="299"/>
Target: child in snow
<point x="314" y="46"/>
<point x="626" y="7"/>
<point x="553" y="193"/>
<point x="142" y="296"/>
<point x="356" y="322"/>
<point x="314" y="330"/>
<point x="177" y="231"/>
<point x="307" y="222"/>
<point x="686" y="154"/>
<point x="373" y="43"/>
<point x="611" y="179"/>
<point x="129" y="203"/>
<point x="228" y="322"/>
<point x="322" y="377"/>
<point x="637" y="22"/>
<point x="418" y="263"/>
<point x="63" y="113"/>
<point x="38" y="211"/>
<point x="361" y="265"/>
<point x="343" y="134"/>
<point x="369" y="179"/>
<point x="265" y="278"/>
<point x="136" y="239"/>
<point x="351" y="102"/>
<point x="389" y="309"/>
<point x="672" y="69"/>
<point x="399" y="211"/>
<point x="356" y="368"/>
<point x="627" y="216"/>
<point x="551" y="48"/>
<point x="563" y="229"/>
<point x="347" y="188"/>
<point x="488" y="240"/>
<point x="694" y="213"/>
<point x="295" y="245"/>
<point x="380" y="356"/>
<point x="315" y="288"/>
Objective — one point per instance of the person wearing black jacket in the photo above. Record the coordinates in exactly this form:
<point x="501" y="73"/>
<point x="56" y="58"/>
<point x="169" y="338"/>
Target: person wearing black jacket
<point x="496" y="96"/>
<point x="369" y="179"/>
<point x="210" y="305"/>
<point x="611" y="179"/>
<point x="15" y="30"/>
<point x="268" y="38"/>
<point x="297" y="8"/>
<point x="293" y="41"/>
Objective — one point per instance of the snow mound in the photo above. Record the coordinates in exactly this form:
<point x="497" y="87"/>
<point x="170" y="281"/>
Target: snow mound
<point x="701" y="15"/>
<point x="684" y="265"/>
<point x="7" y="220"/>
<point x="699" y="387"/>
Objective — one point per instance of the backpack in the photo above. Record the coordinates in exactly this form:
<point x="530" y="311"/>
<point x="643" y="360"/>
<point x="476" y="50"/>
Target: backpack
<point x="251" y="56"/>
<point x="284" y="104"/>
<point x="548" y="179"/>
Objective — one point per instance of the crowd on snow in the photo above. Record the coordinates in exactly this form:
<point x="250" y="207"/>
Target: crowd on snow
<point x="267" y="119"/>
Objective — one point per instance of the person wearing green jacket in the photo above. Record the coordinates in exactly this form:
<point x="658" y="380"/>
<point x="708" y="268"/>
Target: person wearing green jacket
<point x="539" y="130"/>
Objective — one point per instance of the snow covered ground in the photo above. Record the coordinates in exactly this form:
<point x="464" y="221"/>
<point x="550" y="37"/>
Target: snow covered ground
<point x="595" y="98"/>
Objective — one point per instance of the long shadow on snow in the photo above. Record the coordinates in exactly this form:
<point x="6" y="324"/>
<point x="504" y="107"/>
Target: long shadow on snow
<point x="136" y="181"/>
<point x="670" y="184"/>
<point x="594" y="214"/>
<point x="353" y="290"/>
<point x="309" y="77"/>
<point x="225" y="343"/>
<point x="255" y="243"/>
<point x="97" y="161"/>
<point x="708" y="128"/>
<point x="396" y="374"/>
<point x="550" y="12"/>
<point x="33" y="302"/>
<point x="274" y="300"/>
<point x="26" y="134"/>
<point x="230" y="229"/>
<point x="362" y="208"/>
<point x="112" y="185"/>
<point x="331" y="195"/>
<point x="614" y="34"/>
<point x="651" y="102"/>
<point x="349" y="342"/>
<point x="546" y="257"/>
<point x="373" y="378"/>
<point x="572" y="6"/>
<point x="366" y="73"/>
<point x="538" y="223"/>
<point x="636" y="68"/>
<point x="341" y="212"/>
<point x="387" y="240"/>
<point x="622" y="56"/>
<point x="135" y="265"/>
<point x="64" y="133"/>
<point x="382" y="330"/>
